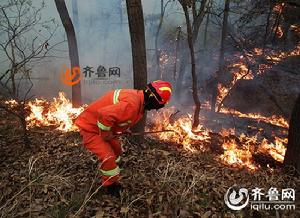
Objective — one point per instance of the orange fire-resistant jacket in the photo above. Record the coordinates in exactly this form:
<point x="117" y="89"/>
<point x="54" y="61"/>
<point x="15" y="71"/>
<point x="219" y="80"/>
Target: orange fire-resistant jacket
<point x="116" y="111"/>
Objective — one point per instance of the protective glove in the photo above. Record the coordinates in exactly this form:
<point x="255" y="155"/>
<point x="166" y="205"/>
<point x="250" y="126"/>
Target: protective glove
<point x="128" y="132"/>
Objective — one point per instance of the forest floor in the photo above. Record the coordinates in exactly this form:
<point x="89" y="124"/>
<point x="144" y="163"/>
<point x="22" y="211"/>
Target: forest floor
<point x="57" y="177"/>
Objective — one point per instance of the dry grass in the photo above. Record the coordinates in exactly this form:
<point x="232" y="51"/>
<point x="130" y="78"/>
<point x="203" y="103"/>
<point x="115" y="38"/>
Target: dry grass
<point x="59" y="179"/>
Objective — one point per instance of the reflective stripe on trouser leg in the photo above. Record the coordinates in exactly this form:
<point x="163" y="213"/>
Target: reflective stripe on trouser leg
<point x="109" y="174"/>
<point x="112" y="172"/>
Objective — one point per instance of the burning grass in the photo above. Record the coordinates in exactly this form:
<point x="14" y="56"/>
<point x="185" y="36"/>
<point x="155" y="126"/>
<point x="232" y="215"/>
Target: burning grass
<point x="58" y="112"/>
<point x="238" y="150"/>
<point x="235" y="152"/>
<point x="255" y="58"/>
<point x="275" y="120"/>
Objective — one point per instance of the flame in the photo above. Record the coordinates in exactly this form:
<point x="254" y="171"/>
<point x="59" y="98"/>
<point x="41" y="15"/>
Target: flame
<point x="223" y="91"/>
<point x="295" y="28"/>
<point x="237" y="157"/>
<point x="277" y="150"/>
<point x="238" y="152"/>
<point x="279" y="32"/>
<point x="242" y="155"/>
<point x="258" y="51"/>
<point x="278" y="8"/>
<point x="183" y="133"/>
<point x="239" y="71"/>
<point x="272" y="56"/>
<point x="58" y="112"/>
<point x="11" y="103"/>
<point x="275" y="120"/>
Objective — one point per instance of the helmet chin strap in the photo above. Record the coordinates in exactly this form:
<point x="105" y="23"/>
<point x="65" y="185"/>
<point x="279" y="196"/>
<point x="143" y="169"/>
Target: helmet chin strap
<point x="150" y="102"/>
<point x="152" y="90"/>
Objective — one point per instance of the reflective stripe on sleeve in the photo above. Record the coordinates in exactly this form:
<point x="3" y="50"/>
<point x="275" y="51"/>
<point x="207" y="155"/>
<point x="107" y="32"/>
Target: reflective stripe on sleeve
<point x="118" y="159"/>
<point x="113" y="172"/>
<point x="116" y="96"/>
<point x="103" y="127"/>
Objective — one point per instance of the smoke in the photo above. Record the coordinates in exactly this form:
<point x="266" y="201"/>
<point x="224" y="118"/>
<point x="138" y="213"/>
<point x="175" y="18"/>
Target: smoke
<point x="104" y="42"/>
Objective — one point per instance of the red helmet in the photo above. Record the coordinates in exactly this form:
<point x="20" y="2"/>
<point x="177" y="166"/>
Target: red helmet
<point x="161" y="90"/>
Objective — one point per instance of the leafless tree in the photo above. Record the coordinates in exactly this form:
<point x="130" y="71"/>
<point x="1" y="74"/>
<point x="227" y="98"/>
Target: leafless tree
<point x="177" y="45"/>
<point x="138" y="46"/>
<point x="207" y="24"/>
<point x="73" y="49"/>
<point x="221" y="56"/>
<point x="24" y="41"/>
<point x="198" y="14"/>
<point x="192" y="33"/>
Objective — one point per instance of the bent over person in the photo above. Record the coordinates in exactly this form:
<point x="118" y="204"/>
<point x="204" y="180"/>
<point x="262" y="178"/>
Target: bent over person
<point x="113" y="113"/>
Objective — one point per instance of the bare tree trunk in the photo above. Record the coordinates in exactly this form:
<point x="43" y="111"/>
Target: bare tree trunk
<point x="73" y="49"/>
<point x="276" y="25"/>
<point x="76" y="22"/>
<point x="221" y="57"/>
<point x="206" y="26"/>
<point x="13" y="67"/>
<point x="20" y="114"/>
<point x="292" y="156"/>
<point x="276" y="29"/>
<point x="224" y="32"/>
<point x="267" y="27"/>
<point x="138" y="46"/>
<point x="286" y="28"/>
<point x="198" y="20"/>
<point x="198" y="16"/>
<point x="176" y="51"/>
<point x="22" y="119"/>
<point x="193" y="65"/>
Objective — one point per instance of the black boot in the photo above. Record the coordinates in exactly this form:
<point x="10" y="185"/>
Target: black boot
<point x="114" y="189"/>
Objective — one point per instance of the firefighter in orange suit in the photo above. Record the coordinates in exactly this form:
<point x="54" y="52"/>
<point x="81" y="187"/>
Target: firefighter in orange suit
<point x="113" y="113"/>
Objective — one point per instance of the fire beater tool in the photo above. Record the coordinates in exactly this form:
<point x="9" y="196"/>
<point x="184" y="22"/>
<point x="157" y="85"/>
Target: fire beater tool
<point x="144" y="133"/>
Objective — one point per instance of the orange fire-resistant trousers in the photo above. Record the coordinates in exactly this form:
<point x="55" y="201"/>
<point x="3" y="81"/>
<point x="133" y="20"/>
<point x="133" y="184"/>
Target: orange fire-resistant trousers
<point x="106" y="151"/>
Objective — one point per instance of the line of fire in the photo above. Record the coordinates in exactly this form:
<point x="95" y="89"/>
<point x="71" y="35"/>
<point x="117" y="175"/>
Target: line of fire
<point x="170" y="108"/>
